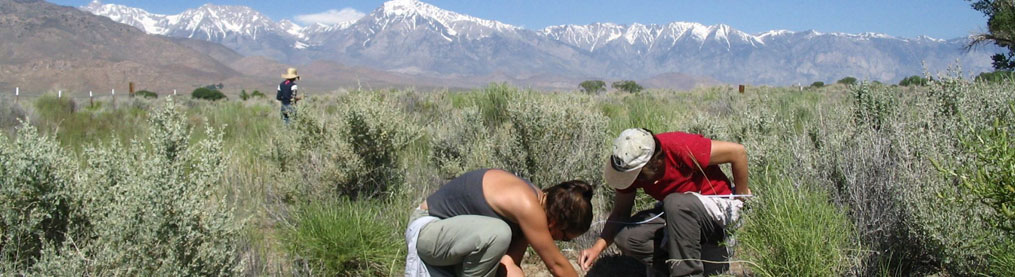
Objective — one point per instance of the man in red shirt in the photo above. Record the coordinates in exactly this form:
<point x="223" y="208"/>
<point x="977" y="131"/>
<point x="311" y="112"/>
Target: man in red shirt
<point x="682" y="171"/>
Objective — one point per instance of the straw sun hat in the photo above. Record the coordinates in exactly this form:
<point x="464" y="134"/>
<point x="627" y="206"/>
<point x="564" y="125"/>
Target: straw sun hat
<point x="290" y="73"/>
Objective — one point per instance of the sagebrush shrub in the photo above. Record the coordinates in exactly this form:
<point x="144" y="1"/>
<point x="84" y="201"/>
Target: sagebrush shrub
<point x="151" y="208"/>
<point x="545" y="139"/>
<point x="991" y="174"/>
<point x="36" y="180"/>
<point x="52" y="107"/>
<point x="873" y="105"/>
<point x="10" y="115"/>
<point x="563" y="138"/>
<point x="207" y="94"/>
<point x="462" y="142"/>
<point x="353" y="152"/>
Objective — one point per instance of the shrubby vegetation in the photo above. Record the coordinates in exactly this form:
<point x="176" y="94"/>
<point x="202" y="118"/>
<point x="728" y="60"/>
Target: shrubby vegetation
<point x="592" y="86"/>
<point x="207" y="94"/>
<point x="847" y="81"/>
<point x="1000" y="21"/>
<point x="36" y="183"/>
<point x="995" y="77"/>
<point x="913" y="81"/>
<point x="256" y="94"/>
<point x="149" y="210"/>
<point x="351" y="148"/>
<point x="794" y="229"/>
<point x="363" y="246"/>
<point x="147" y="94"/>
<point x="627" y="86"/>
<point x="10" y="115"/>
<point x="845" y="176"/>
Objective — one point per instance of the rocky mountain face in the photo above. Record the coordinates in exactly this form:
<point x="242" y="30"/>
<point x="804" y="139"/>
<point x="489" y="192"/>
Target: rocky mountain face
<point x="775" y="57"/>
<point x="238" y="27"/>
<point x="50" y="47"/>
<point x="416" y="38"/>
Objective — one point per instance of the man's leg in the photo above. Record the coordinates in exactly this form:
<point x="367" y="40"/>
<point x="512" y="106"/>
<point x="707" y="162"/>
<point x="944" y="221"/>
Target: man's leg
<point x="687" y="226"/>
<point x="642" y="241"/>
<point x="473" y="244"/>
<point x="718" y="255"/>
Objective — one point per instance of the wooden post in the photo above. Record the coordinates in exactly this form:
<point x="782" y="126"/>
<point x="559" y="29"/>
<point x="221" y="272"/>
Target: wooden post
<point x="113" y="92"/>
<point x="17" y="94"/>
<point x="741" y="88"/>
<point x="91" y="100"/>
<point x="59" y="94"/>
<point x="174" y="92"/>
<point x="131" y="91"/>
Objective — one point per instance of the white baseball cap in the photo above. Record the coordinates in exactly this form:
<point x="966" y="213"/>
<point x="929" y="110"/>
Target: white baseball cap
<point x="631" y="151"/>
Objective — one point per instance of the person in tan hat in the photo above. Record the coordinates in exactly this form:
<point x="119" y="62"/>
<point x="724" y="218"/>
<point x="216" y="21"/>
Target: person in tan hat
<point x="287" y="93"/>
<point x="681" y="171"/>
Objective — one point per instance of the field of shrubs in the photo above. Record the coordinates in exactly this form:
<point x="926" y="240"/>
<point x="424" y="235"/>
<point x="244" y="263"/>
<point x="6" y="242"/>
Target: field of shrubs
<point x="858" y="180"/>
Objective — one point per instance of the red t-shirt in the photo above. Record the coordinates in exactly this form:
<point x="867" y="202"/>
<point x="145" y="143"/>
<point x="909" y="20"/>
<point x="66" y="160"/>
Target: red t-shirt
<point x="687" y="169"/>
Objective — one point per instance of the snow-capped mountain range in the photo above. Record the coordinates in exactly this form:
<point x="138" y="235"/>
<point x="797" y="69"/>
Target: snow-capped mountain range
<point x="409" y="36"/>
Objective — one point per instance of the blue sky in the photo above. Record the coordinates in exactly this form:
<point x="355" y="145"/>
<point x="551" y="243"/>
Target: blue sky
<point x="944" y="19"/>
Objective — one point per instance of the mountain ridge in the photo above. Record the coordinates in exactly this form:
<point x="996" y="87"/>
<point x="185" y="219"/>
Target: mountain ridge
<point x="416" y="38"/>
<point x="55" y="47"/>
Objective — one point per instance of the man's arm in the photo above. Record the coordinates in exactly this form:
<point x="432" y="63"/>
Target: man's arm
<point x="622" y="204"/>
<point x="736" y="155"/>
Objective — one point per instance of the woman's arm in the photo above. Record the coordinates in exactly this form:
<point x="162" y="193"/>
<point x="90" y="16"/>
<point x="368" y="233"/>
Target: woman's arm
<point x="622" y="204"/>
<point x="533" y="222"/>
<point x="514" y="199"/>
<point x="517" y="250"/>
<point x="736" y="155"/>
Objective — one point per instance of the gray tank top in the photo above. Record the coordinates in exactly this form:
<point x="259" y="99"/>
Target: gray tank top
<point x="464" y="196"/>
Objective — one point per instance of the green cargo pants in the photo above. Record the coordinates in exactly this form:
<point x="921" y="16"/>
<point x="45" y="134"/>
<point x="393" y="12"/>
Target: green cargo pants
<point x="468" y="245"/>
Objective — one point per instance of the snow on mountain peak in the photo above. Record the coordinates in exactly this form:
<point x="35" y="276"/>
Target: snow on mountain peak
<point x="929" y="38"/>
<point x="403" y="7"/>
<point x="148" y="22"/>
<point x="590" y="37"/>
<point x="455" y="22"/>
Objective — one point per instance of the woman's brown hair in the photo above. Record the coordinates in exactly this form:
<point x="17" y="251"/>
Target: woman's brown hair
<point x="569" y="206"/>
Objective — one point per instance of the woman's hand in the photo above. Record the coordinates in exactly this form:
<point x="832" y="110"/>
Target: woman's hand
<point x="589" y="256"/>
